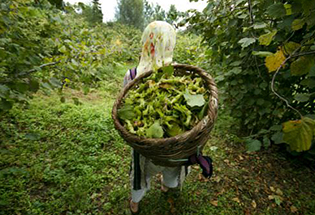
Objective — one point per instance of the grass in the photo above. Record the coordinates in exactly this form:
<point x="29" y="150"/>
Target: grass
<point x="62" y="158"/>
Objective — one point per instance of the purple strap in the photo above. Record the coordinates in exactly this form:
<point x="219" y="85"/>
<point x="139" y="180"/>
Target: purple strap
<point x="204" y="162"/>
<point x="133" y="73"/>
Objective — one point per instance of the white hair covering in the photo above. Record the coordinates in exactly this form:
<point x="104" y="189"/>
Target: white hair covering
<point x="158" y="43"/>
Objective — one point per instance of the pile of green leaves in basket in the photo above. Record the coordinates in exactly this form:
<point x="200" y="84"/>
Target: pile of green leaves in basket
<point x="164" y="104"/>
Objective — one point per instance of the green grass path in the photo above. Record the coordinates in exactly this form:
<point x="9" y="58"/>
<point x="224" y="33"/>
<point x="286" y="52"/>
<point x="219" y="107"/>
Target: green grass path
<point x="62" y="158"/>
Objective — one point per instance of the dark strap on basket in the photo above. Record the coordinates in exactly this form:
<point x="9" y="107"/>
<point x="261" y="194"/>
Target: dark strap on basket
<point x="205" y="162"/>
<point x="136" y="155"/>
<point x="137" y="171"/>
<point x="133" y="73"/>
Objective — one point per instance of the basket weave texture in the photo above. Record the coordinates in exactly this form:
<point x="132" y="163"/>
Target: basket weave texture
<point x="166" y="151"/>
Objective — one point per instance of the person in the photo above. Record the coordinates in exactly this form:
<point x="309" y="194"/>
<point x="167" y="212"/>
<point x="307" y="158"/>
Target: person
<point x="158" y="43"/>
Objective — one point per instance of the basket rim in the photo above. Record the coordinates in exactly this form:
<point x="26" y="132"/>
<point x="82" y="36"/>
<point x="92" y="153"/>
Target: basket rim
<point x="145" y="142"/>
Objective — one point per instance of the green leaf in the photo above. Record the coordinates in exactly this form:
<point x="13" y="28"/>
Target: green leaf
<point x="290" y="47"/>
<point x="302" y="66"/>
<point x="5" y="105"/>
<point x="288" y="8"/>
<point x="278" y="200"/>
<point x="55" y="82"/>
<point x="62" y="99"/>
<point x="299" y="133"/>
<point x="302" y="97"/>
<point x="155" y="130"/>
<point x="33" y="86"/>
<point x="86" y="90"/>
<point x="310" y="21"/>
<point x="262" y="53"/>
<point x="312" y="71"/>
<point x="260" y="101"/>
<point x="266" y="142"/>
<point x="277" y="137"/>
<point x="63" y="49"/>
<point x="243" y="16"/>
<point x="21" y="87"/>
<point x="276" y="128"/>
<point x="174" y="130"/>
<point x="126" y="112"/>
<point x="168" y="70"/>
<point x="266" y="39"/>
<point x="32" y="136"/>
<point x="76" y="101"/>
<point x="259" y="25"/>
<point x="202" y="113"/>
<point x="246" y="42"/>
<point x="308" y="83"/>
<point x="4" y="90"/>
<point x="297" y="24"/>
<point x="276" y="10"/>
<point x="194" y="100"/>
<point x="253" y="145"/>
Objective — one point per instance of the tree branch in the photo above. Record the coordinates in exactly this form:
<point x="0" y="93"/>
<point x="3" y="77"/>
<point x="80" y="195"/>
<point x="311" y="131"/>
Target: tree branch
<point x="34" y="70"/>
<point x="250" y="12"/>
<point x="303" y="53"/>
<point x="273" y="83"/>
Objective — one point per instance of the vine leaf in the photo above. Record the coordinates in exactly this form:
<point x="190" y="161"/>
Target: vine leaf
<point x="253" y="145"/>
<point x="299" y="133"/>
<point x="302" y="66"/>
<point x="276" y="10"/>
<point x="290" y="47"/>
<point x="274" y="61"/>
<point x="126" y="112"/>
<point x="174" y="130"/>
<point x="302" y="97"/>
<point x="288" y="8"/>
<point x="259" y="25"/>
<point x="155" y="130"/>
<point x="194" y="100"/>
<point x="246" y="41"/>
<point x="266" y="39"/>
<point x="297" y="24"/>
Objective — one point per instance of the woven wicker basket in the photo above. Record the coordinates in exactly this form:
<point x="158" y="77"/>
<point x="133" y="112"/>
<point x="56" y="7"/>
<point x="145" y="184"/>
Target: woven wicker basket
<point x="174" y="150"/>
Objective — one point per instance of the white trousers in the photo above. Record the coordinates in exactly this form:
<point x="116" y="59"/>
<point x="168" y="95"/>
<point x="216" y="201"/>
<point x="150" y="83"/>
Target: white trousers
<point x="172" y="176"/>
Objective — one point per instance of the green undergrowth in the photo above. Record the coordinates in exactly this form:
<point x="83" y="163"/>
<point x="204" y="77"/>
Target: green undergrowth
<point x="67" y="158"/>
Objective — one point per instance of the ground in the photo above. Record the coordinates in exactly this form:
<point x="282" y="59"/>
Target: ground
<point x="67" y="158"/>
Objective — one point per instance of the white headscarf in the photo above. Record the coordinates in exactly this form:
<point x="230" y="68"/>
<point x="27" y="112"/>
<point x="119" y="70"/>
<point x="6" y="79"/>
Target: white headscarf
<point x="158" y="43"/>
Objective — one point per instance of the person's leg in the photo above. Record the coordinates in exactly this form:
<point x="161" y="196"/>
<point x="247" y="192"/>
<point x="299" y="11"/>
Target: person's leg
<point x="170" y="177"/>
<point x="140" y="174"/>
<point x="138" y="188"/>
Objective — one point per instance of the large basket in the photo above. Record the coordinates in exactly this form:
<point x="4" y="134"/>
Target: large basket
<point x="172" y="151"/>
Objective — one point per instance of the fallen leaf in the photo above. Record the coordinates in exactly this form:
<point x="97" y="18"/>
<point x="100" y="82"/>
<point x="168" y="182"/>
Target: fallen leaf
<point x="293" y="209"/>
<point x="240" y="157"/>
<point x="271" y="197"/>
<point x="254" y="204"/>
<point x="236" y="199"/>
<point x="279" y="192"/>
<point x="196" y="167"/>
<point x="227" y="161"/>
<point x="272" y="189"/>
<point x="214" y="202"/>
<point x="171" y="202"/>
